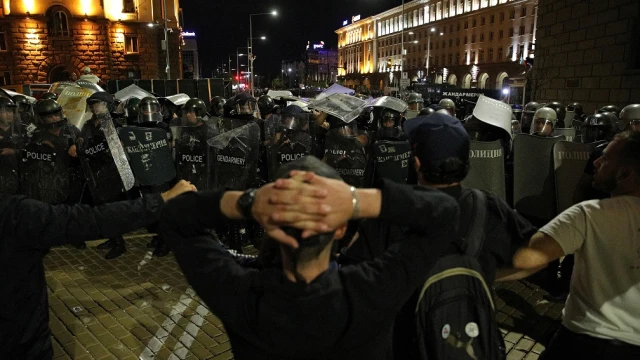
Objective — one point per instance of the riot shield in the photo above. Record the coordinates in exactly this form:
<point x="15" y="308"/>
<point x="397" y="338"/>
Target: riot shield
<point x="74" y="104"/>
<point x="569" y="161"/>
<point x="568" y="133"/>
<point x="534" y="193"/>
<point x="105" y="163"/>
<point x="44" y="173"/>
<point x="149" y="154"/>
<point x="486" y="168"/>
<point x="392" y="159"/>
<point x="390" y="102"/>
<point x="412" y="114"/>
<point x="89" y="85"/>
<point x="344" y="107"/>
<point x="132" y="91"/>
<point x="348" y="156"/>
<point x="287" y="139"/>
<point x="234" y="157"/>
<point x="192" y="156"/>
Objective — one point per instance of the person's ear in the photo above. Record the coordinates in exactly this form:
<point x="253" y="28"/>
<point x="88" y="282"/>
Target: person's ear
<point x="339" y="233"/>
<point x="624" y="173"/>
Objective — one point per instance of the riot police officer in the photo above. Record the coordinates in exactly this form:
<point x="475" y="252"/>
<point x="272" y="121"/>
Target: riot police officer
<point x="598" y="127"/>
<point x="578" y="111"/>
<point x="561" y="113"/>
<point x="55" y="131"/>
<point x="267" y="107"/>
<point x="416" y="104"/>
<point x="630" y="118"/>
<point x="100" y="104"/>
<point x="426" y="111"/>
<point x="544" y="121"/>
<point x="389" y="126"/>
<point x="217" y="106"/>
<point x="449" y="105"/>
<point x="527" y="116"/>
<point x="194" y="112"/>
<point x="132" y="109"/>
<point x="517" y="111"/>
<point x="609" y="108"/>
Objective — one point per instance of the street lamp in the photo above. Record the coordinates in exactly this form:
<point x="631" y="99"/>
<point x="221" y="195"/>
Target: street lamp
<point x="429" y="48"/>
<point x="251" y="56"/>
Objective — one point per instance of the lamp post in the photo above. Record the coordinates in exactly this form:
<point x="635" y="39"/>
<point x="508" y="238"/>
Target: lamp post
<point x="238" y="61"/>
<point x="166" y="40"/>
<point x="429" y="48"/>
<point x="251" y="56"/>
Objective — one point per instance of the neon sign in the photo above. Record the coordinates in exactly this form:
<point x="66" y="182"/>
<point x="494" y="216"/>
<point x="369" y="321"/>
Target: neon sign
<point x="188" y="34"/>
<point x="355" y="18"/>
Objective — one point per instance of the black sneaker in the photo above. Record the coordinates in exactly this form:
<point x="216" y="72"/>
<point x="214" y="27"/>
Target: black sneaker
<point x="107" y="244"/>
<point x="153" y="243"/>
<point x="162" y="250"/>
<point x="115" y="252"/>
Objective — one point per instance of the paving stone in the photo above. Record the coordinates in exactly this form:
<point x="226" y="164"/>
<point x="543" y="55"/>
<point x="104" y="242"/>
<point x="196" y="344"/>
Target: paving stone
<point x="524" y="344"/>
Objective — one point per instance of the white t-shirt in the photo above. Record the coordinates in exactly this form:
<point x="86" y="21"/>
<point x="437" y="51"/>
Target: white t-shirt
<point x="90" y="77"/>
<point x="604" y="300"/>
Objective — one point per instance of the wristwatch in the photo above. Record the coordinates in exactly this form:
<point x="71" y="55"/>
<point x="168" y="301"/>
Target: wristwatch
<point x="245" y="203"/>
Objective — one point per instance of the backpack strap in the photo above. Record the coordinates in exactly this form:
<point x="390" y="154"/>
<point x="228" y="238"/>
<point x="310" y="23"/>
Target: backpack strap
<point x="475" y="234"/>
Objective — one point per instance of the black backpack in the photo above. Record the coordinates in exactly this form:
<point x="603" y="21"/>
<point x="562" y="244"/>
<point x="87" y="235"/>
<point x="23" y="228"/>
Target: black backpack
<point x="455" y="311"/>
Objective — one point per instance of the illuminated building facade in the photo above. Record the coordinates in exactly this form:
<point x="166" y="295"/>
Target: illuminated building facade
<point x="316" y="67"/>
<point x="190" y="63"/>
<point x="466" y="43"/>
<point x="46" y="41"/>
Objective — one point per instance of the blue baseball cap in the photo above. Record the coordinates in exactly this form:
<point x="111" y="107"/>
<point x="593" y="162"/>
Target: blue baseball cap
<point x="437" y="137"/>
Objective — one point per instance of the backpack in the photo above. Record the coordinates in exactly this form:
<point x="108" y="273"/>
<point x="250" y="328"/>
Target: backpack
<point x="455" y="312"/>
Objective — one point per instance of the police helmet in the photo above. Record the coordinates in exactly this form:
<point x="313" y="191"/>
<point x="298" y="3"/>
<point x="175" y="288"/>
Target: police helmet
<point x="241" y="106"/>
<point x="217" y="105"/>
<point x="426" y="111"/>
<point x="389" y="117"/>
<point x="195" y="105"/>
<point x="266" y="105"/>
<point x="100" y="97"/>
<point x="49" y="96"/>
<point x="7" y="103"/>
<point x="50" y="113"/>
<point x="414" y="98"/>
<point x="133" y="109"/>
<point x="577" y="108"/>
<point x="598" y="127"/>
<point x="149" y="110"/>
<point x="449" y="105"/>
<point x="609" y="108"/>
<point x="630" y="117"/>
<point x="544" y="120"/>
<point x="560" y="110"/>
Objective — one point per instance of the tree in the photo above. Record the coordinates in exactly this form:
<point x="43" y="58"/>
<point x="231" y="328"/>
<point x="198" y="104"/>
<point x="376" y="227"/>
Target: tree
<point x="277" y="84"/>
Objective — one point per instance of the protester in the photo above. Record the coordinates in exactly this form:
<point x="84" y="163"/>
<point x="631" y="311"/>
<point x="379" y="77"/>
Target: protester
<point x="28" y="230"/>
<point x="306" y="309"/>
<point x="601" y="313"/>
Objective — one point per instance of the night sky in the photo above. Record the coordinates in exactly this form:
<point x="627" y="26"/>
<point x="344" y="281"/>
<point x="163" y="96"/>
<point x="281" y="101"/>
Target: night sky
<point x="223" y="25"/>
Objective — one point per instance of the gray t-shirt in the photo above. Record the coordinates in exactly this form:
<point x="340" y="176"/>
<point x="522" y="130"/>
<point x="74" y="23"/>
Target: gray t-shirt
<point x="604" y="235"/>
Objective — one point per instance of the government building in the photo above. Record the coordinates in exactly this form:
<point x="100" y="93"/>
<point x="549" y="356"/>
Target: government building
<point x="46" y="41"/>
<point x="485" y="44"/>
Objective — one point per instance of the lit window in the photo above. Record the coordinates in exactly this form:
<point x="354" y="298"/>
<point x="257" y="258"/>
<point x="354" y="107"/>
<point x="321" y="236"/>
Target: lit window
<point x="490" y="54"/>
<point x="499" y="53"/>
<point x="128" y="6"/>
<point x="510" y="31"/>
<point x="131" y="44"/>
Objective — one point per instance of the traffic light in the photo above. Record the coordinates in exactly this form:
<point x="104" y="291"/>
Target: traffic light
<point x="237" y="77"/>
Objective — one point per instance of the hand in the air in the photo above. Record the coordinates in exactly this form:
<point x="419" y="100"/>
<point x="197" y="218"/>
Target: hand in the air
<point x="180" y="188"/>
<point x="291" y="202"/>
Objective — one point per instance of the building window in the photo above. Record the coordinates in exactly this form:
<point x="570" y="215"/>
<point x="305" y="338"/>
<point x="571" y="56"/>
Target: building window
<point x="450" y="28"/>
<point x="458" y="27"/>
<point x="521" y="30"/>
<point x="500" y="34"/>
<point x="500" y="53"/>
<point x="3" y="42"/>
<point x="58" y="24"/>
<point x="510" y="31"/>
<point x="457" y="58"/>
<point x="490" y="35"/>
<point x="481" y="56"/>
<point x="523" y="11"/>
<point x="473" y="56"/>
<point x="482" y="21"/>
<point x="465" y="40"/>
<point x="450" y="42"/>
<point x="513" y="14"/>
<point x="450" y="59"/>
<point x="492" y="19"/>
<point x="531" y="27"/>
<point x="466" y="24"/>
<point x="490" y="54"/>
<point x="131" y="44"/>
<point x="502" y="16"/>
<point x="457" y="41"/>
<point x="444" y="44"/>
<point x="128" y="6"/>
<point x="473" y="23"/>
<point x="6" y="78"/>
<point x="473" y="38"/>
<point x="521" y="52"/>
<point x="482" y="37"/>
<point x="510" y="53"/>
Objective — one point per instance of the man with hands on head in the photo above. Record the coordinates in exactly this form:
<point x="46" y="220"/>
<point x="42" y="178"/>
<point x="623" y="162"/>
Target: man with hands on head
<point x="305" y="308"/>
<point x="28" y="229"/>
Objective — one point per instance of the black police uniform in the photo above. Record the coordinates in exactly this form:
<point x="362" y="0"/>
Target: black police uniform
<point x="28" y="229"/>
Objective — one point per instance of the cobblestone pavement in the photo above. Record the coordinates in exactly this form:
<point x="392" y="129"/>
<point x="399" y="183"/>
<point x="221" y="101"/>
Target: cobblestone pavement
<point x="139" y="307"/>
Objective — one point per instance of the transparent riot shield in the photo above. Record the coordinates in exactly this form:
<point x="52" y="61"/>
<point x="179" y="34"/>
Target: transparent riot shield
<point x="149" y="154"/>
<point x="192" y="155"/>
<point x="343" y="107"/>
<point x="105" y="163"/>
<point x="392" y="159"/>
<point x="347" y="155"/>
<point x="45" y="172"/>
<point x="74" y="104"/>
<point x="287" y="139"/>
<point x="234" y="157"/>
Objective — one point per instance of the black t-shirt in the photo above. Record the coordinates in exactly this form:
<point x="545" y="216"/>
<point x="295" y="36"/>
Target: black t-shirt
<point x="505" y="231"/>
